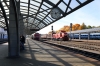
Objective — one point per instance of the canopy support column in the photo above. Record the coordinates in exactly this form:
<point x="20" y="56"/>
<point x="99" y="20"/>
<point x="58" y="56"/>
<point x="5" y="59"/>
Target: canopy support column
<point x="13" y="47"/>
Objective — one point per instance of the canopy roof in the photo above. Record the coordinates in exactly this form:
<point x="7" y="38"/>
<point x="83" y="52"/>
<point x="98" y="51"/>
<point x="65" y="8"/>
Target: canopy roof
<point x="37" y="13"/>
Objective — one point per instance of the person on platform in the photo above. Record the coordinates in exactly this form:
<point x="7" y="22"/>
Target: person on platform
<point x="22" y="42"/>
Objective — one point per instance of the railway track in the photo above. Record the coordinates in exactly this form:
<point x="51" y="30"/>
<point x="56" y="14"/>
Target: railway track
<point x="90" y="49"/>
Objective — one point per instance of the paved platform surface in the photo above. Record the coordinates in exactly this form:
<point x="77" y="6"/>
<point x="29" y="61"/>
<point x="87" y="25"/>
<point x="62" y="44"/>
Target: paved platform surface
<point x="41" y="54"/>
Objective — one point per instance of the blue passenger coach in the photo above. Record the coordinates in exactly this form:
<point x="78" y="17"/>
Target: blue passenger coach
<point x="94" y="36"/>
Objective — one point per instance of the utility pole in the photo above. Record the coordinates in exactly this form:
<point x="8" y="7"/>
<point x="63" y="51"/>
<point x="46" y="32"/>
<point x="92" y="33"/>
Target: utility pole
<point x="52" y="32"/>
<point x="70" y="30"/>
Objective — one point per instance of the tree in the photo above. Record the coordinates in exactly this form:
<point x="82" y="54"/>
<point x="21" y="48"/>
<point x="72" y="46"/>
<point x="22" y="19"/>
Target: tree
<point x="80" y="28"/>
<point x="75" y="27"/>
<point x="93" y="26"/>
<point x="83" y="26"/>
<point x="98" y="26"/>
<point x="89" y="26"/>
<point x="64" y="28"/>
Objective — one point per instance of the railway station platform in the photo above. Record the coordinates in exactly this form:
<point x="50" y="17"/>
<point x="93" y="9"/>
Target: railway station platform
<point x="37" y="53"/>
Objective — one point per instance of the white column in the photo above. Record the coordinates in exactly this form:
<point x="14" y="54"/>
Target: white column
<point x="88" y="36"/>
<point x="79" y="36"/>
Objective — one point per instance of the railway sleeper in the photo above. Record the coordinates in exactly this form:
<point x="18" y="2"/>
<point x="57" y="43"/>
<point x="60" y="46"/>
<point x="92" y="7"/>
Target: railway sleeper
<point x="80" y="51"/>
<point x="85" y="53"/>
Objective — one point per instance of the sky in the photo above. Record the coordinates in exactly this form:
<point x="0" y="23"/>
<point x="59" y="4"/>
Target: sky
<point x="89" y="14"/>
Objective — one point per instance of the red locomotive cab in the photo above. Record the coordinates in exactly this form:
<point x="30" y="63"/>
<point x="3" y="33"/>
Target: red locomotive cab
<point x="65" y="34"/>
<point x="65" y="38"/>
<point x="60" y="35"/>
<point x="57" y="36"/>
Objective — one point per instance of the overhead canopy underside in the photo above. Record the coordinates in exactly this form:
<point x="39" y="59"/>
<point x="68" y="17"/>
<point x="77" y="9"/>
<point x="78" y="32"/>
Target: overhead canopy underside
<point x="37" y="13"/>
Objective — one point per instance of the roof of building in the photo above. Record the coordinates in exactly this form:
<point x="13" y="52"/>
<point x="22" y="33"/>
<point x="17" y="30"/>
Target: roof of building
<point x="37" y="13"/>
<point x="92" y="30"/>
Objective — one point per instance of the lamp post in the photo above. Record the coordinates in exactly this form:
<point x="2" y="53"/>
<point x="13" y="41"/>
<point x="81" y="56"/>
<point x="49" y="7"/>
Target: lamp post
<point x="52" y="32"/>
<point x="70" y="30"/>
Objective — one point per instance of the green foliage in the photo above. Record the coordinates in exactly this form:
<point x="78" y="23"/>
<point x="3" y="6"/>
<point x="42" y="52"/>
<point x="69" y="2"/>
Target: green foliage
<point x="88" y="27"/>
<point x="83" y="26"/>
<point x="93" y="26"/>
